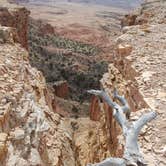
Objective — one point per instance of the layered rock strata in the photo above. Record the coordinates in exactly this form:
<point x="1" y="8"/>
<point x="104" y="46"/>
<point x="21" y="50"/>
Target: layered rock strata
<point x="16" y="17"/>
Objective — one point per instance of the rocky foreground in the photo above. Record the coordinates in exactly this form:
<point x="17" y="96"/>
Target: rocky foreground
<point x="31" y="131"/>
<point x="144" y="68"/>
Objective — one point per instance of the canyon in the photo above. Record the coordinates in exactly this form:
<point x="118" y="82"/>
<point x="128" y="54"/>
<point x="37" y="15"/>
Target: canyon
<point x="43" y="119"/>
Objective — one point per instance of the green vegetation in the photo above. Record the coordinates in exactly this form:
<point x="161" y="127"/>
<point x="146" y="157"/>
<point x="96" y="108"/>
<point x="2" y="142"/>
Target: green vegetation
<point x="36" y="38"/>
<point x="59" y="64"/>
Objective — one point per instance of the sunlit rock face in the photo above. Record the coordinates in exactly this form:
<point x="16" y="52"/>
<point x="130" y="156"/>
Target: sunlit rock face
<point x="137" y="73"/>
<point x="31" y="131"/>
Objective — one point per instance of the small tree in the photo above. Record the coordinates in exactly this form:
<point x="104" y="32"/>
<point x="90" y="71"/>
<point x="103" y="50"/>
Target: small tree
<point x="131" y="130"/>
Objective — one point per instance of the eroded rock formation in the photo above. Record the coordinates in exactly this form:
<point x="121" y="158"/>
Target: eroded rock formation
<point x="16" y="17"/>
<point x="138" y="71"/>
<point x="31" y="131"/>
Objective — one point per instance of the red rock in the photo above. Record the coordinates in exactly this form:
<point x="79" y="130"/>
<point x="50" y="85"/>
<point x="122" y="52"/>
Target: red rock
<point x="46" y="29"/>
<point x="129" y="20"/>
<point x="94" y="109"/>
<point x="61" y="89"/>
<point x="17" y="19"/>
<point x="53" y="103"/>
<point x="124" y="49"/>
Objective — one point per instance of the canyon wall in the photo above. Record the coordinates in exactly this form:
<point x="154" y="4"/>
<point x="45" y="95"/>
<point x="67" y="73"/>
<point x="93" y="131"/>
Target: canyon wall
<point x="25" y="115"/>
<point x="138" y="73"/>
<point x="17" y="17"/>
<point x="31" y="131"/>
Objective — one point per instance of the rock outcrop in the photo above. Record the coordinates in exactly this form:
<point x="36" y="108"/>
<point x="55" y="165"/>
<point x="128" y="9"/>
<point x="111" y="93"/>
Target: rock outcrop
<point x="16" y="17"/>
<point x="129" y="20"/>
<point x="138" y="72"/>
<point x="25" y="113"/>
<point x="61" y="89"/>
<point x="148" y="59"/>
<point x="95" y="109"/>
<point x="31" y="131"/>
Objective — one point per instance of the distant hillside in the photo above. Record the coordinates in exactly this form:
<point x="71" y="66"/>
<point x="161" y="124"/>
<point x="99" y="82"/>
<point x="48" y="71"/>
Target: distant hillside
<point x="128" y="4"/>
<point x="117" y="3"/>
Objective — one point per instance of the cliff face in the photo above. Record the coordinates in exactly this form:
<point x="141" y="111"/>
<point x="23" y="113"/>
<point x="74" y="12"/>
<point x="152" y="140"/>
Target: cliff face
<point x="138" y="72"/>
<point x="148" y="59"/>
<point x="27" y="122"/>
<point x="24" y="112"/>
<point x="16" y="17"/>
<point x="31" y="132"/>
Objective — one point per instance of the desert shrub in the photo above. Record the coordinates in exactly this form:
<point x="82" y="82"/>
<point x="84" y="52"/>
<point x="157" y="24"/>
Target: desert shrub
<point x="57" y="66"/>
<point x="59" y="42"/>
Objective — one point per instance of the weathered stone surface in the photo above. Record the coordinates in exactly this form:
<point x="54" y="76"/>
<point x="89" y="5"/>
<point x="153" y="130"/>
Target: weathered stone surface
<point x="8" y="35"/>
<point x="139" y="75"/>
<point x="39" y="136"/>
<point x="15" y="17"/>
<point x="24" y="111"/>
<point x="61" y="89"/>
<point x="152" y="12"/>
<point x="129" y="20"/>
<point x="144" y="68"/>
<point x="95" y="109"/>
<point x="17" y="134"/>
<point x="91" y="144"/>
<point x="3" y="146"/>
<point x="28" y="112"/>
<point x="123" y="50"/>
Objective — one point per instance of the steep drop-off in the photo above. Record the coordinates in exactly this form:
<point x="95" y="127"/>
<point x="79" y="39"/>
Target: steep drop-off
<point x="138" y="71"/>
<point x="31" y="131"/>
<point x="63" y="59"/>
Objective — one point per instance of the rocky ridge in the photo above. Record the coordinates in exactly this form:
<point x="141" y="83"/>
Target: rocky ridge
<point x="17" y="17"/>
<point x="138" y="71"/>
